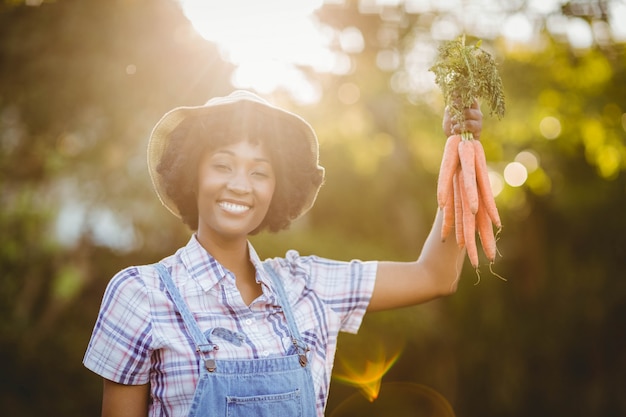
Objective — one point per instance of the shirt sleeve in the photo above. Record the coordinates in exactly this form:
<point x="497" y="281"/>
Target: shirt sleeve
<point x="345" y="287"/>
<point x="119" y="349"/>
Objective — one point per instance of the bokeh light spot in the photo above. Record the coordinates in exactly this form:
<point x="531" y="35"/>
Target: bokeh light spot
<point x="388" y="60"/>
<point x="348" y="93"/>
<point x="515" y="174"/>
<point x="351" y="40"/>
<point x="131" y="69"/>
<point x="518" y="28"/>
<point x="579" y="33"/>
<point x="529" y="159"/>
<point x="608" y="160"/>
<point x="497" y="183"/>
<point x="550" y="127"/>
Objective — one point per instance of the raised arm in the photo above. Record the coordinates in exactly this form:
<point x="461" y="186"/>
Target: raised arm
<point x="434" y="274"/>
<point x="436" y="271"/>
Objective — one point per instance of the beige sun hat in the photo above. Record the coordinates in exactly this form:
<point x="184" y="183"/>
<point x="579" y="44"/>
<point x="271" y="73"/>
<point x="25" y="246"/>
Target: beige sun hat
<point x="161" y="132"/>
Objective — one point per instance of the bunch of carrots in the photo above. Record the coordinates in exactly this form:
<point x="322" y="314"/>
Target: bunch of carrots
<point x="464" y="194"/>
<point x="464" y="74"/>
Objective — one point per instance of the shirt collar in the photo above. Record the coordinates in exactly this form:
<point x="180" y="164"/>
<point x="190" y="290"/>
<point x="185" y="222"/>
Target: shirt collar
<point x="261" y="274"/>
<point x="207" y="271"/>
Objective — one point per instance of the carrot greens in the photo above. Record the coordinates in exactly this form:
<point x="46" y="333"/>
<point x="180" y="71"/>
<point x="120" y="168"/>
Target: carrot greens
<point x="465" y="73"/>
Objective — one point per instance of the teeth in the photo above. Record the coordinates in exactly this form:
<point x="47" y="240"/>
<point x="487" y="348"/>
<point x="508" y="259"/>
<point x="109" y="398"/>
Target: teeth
<point x="233" y="208"/>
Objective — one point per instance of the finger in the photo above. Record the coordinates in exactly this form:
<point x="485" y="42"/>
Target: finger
<point x="474" y="127"/>
<point x="473" y="114"/>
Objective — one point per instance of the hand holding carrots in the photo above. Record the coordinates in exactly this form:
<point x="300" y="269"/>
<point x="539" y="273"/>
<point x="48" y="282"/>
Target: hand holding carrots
<point x="473" y="121"/>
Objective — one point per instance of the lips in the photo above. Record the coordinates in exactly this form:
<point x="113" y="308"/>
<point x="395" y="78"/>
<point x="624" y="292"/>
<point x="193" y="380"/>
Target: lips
<point x="235" y="208"/>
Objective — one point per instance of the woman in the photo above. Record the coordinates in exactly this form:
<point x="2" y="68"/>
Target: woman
<point x="212" y="330"/>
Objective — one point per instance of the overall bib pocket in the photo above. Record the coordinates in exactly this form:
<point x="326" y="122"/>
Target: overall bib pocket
<point x="287" y="404"/>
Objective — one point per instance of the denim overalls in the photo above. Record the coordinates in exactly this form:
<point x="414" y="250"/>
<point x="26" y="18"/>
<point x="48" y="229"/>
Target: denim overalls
<point x="272" y="387"/>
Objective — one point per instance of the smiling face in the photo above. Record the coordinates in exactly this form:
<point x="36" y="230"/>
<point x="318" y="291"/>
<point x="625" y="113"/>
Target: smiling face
<point x="293" y="159"/>
<point x="236" y="183"/>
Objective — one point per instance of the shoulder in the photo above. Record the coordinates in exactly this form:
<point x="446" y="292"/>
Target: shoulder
<point x="324" y="275"/>
<point x="147" y="276"/>
<point x="294" y="259"/>
<point x="126" y="288"/>
<point x="133" y="286"/>
<point x="320" y="266"/>
<point x="133" y="277"/>
<point x="295" y="265"/>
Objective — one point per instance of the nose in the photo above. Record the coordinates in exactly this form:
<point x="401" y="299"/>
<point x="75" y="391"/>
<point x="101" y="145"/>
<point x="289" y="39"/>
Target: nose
<point x="239" y="182"/>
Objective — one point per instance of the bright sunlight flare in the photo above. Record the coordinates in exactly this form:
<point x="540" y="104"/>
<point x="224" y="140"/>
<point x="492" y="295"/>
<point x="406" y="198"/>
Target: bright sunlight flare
<point x="365" y="369"/>
<point x="268" y="42"/>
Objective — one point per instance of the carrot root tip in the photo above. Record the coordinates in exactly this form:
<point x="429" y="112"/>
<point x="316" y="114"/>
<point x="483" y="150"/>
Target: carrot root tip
<point x="494" y="273"/>
<point x="477" y="275"/>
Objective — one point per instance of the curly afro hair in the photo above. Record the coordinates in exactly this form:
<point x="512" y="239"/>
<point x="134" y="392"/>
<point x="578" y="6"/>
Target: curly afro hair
<point x="292" y="159"/>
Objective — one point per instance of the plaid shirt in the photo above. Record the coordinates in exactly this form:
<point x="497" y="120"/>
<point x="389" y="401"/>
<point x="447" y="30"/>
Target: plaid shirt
<point x="138" y="338"/>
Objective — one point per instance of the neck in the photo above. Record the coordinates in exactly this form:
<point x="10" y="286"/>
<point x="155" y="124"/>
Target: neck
<point x="236" y="258"/>
<point x="232" y="254"/>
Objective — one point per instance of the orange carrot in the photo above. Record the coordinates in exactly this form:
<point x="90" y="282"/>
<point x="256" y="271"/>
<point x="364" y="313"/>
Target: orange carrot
<point x="448" y="216"/>
<point x="449" y="162"/>
<point x="469" y="224"/>
<point x="465" y="197"/>
<point x="466" y="157"/>
<point x="484" y="186"/>
<point x="485" y="232"/>
<point x="458" y="209"/>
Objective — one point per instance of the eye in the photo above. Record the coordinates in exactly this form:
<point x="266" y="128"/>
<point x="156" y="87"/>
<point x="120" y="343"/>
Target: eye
<point x="220" y="166"/>
<point x="261" y="170"/>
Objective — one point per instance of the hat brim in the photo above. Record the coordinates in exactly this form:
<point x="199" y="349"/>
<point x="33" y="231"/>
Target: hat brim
<point x="160" y="134"/>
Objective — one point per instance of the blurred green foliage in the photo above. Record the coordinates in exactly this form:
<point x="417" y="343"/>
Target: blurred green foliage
<point x="82" y="84"/>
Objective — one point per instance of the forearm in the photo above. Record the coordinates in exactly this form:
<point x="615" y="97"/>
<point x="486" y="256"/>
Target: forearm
<point x="434" y="274"/>
<point x="443" y="261"/>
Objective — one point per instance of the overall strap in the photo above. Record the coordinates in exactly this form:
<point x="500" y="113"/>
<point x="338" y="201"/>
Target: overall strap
<point x="202" y="345"/>
<point x="301" y="347"/>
